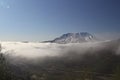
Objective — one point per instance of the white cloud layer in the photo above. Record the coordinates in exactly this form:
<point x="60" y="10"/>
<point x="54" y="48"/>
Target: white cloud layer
<point x="37" y="50"/>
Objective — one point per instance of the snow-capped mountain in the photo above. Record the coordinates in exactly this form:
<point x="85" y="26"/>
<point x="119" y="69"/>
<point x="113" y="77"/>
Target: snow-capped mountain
<point x="74" y="38"/>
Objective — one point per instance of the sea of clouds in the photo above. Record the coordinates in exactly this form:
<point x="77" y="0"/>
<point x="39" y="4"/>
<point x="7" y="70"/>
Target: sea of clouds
<point x="33" y="50"/>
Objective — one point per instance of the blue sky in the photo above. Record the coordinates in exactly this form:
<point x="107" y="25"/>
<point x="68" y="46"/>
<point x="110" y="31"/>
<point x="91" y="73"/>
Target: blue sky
<point x="39" y="20"/>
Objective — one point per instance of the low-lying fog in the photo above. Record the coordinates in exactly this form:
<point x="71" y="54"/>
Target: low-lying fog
<point x="31" y="51"/>
<point x="37" y="50"/>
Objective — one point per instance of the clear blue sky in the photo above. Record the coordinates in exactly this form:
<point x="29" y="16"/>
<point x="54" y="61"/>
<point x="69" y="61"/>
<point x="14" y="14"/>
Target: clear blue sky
<point x="38" y="20"/>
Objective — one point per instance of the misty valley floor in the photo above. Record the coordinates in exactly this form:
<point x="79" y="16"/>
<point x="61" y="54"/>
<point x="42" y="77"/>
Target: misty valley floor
<point x="50" y="61"/>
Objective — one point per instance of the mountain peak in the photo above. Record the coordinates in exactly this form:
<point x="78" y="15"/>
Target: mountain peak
<point x="74" y="38"/>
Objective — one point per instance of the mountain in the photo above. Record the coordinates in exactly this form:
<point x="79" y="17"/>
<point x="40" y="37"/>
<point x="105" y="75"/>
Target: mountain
<point x="74" y="38"/>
